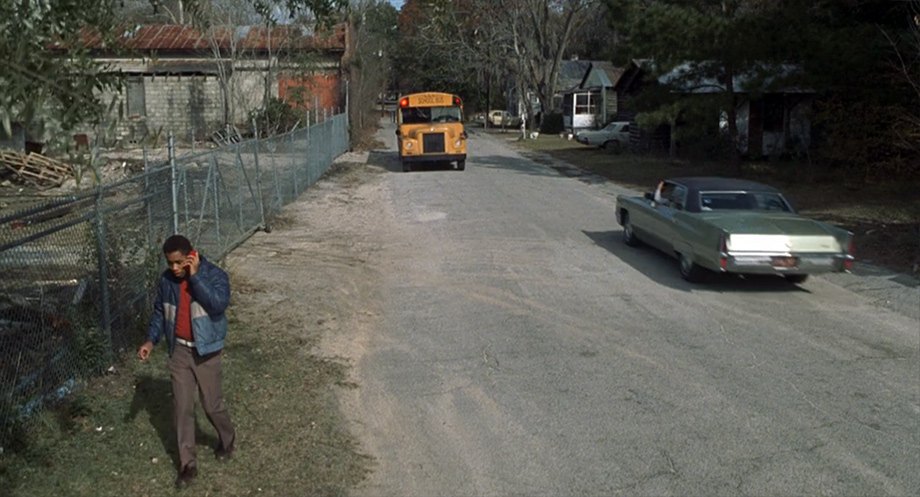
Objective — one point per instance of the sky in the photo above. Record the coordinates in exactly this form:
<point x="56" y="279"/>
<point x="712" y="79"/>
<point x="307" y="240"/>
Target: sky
<point x="396" y="3"/>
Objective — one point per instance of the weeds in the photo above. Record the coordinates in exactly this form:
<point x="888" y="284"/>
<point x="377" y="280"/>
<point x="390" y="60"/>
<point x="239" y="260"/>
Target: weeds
<point x="116" y="437"/>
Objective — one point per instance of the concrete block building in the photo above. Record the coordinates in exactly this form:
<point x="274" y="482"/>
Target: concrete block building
<point x="192" y="82"/>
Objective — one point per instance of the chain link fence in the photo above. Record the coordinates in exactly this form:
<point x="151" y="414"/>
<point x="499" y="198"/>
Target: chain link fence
<point x="78" y="271"/>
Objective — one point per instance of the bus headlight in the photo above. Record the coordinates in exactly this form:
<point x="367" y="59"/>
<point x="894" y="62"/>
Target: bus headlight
<point x="407" y="145"/>
<point x="458" y="143"/>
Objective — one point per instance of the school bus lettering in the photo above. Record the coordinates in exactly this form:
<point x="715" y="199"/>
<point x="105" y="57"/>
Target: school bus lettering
<point x="432" y="99"/>
<point x="430" y="129"/>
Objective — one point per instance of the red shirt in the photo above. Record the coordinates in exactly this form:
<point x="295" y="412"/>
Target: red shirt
<point x="184" y="313"/>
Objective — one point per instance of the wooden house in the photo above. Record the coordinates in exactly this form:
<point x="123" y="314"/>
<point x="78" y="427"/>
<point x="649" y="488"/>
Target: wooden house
<point x="592" y="102"/>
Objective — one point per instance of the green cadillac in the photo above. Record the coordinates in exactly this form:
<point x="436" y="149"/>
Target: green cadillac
<point x="732" y="226"/>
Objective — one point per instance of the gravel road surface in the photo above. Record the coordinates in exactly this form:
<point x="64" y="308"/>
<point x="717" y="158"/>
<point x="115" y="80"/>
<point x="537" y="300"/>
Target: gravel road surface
<point x="504" y="341"/>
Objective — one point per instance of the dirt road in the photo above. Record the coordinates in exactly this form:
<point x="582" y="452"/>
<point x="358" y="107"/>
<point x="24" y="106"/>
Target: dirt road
<point x="504" y="342"/>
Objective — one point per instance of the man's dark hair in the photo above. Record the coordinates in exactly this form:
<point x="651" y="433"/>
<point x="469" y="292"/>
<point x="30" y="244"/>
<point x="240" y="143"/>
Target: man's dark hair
<point x="177" y="242"/>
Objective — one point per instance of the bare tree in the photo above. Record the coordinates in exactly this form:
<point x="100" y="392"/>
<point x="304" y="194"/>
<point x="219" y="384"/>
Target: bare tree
<point x="539" y="33"/>
<point x="226" y="24"/>
<point x="373" y="27"/>
<point x="245" y="43"/>
<point x="163" y="11"/>
<point x="907" y="65"/>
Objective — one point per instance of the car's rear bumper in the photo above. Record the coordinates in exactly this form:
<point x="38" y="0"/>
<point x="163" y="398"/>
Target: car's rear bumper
<point x="434" y="158"/>
<point x="774" y="263"/>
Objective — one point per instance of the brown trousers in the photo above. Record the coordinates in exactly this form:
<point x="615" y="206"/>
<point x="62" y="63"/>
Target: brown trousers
<point x="190" y="371"/>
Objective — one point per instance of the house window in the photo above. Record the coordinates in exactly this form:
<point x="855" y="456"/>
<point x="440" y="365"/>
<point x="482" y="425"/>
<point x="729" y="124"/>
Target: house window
<point x="585" y="104"/>
<point x="135" y="98"/>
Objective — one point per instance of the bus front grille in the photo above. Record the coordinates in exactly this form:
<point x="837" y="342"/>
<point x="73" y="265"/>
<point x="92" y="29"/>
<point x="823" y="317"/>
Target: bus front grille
<point x="433" y="143"/>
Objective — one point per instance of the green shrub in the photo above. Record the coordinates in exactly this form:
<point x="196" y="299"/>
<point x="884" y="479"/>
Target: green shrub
<point x="277" y="117"/>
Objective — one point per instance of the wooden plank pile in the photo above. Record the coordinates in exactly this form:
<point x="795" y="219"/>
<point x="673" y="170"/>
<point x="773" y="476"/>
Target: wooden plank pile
<point x="35" y="169"/>
<point x="228" y="136"/>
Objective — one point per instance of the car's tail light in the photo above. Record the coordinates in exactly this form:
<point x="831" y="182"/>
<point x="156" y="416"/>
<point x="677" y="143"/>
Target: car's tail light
<point x="723" y="252"/>
<point x="851" y="249"/>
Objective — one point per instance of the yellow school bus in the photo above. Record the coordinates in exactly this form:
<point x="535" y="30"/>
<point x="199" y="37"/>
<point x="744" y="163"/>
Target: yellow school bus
<point x="430" y="129"/>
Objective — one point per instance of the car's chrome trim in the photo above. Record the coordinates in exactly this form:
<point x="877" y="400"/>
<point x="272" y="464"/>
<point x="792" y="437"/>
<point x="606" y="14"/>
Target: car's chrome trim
<point x="762" y="262"/>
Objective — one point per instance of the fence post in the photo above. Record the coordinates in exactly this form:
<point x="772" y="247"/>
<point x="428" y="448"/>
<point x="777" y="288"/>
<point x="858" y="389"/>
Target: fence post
<point x="296" y="190"/>
<point x="239" y="191"/>
<point x="147" y="199"/>
<point x="171" y="151"/>
<point x="255" y="153"/>
<point x="327" y="130"/>
<point x="204" y="196"/>
<point x="102" y="249"/>
<point x="306" y="153"/>
<point x="185" y="196"/>
<point x="294" y="162"/>
<point x="216" y="197"/>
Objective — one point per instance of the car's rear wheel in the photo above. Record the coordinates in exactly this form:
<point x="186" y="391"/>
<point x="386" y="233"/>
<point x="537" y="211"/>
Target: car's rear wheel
<point x="689" y="270"/>
<point x="796" y="278"/>
<point x="629" y="235"/>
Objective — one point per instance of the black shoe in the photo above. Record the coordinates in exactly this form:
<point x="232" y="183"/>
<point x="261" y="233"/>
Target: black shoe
<point x="224" y="454"/>
<point x="186" y="476"/>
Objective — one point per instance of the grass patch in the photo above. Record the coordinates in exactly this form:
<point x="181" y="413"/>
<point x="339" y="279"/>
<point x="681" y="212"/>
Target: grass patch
<point x="116" y="437"/>
<point x="884" y="217"/>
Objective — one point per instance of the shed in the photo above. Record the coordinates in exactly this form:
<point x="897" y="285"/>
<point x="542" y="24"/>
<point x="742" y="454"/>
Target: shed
<point x="194" y="81"/>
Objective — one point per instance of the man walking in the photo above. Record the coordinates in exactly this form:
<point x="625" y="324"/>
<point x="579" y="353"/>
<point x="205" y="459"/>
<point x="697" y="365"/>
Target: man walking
<point x="192" y="296"/>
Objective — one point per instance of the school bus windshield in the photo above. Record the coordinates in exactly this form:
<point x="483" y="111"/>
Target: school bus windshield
<point x="430" y="129"/>
<point x="423" y="115"/>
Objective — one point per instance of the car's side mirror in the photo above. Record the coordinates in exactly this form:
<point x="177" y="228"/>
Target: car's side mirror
<point x="397" y="132"/>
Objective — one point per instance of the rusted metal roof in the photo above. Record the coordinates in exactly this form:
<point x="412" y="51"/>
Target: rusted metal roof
<point x="181" y="38"/>
<point x="183" y="66"/>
